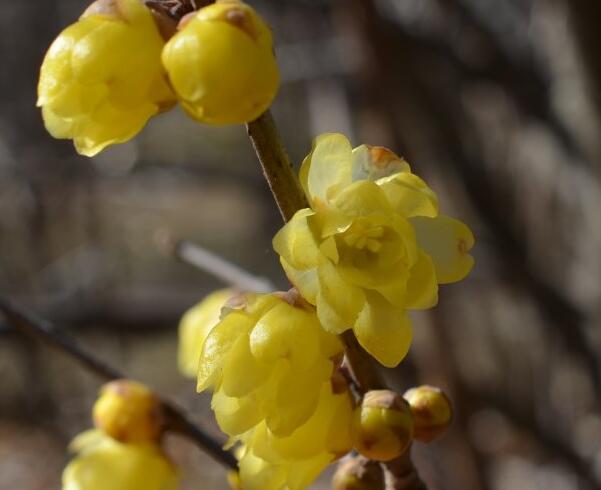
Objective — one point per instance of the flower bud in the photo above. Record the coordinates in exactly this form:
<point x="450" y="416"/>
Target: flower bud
<point x="358" y="473"/>
<point x="102" y="79"/>
<point x="128" y="412"/>
<point x="432" y="412"/>
<point x="382" y="426"/>
<point x="221" y="64"/>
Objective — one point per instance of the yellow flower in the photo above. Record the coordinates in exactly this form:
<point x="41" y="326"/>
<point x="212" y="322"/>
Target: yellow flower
<point x="128" y="412"/>
<point x="267" y="360"/>
<point x="103" y="463"/>
<point x="194" y="328"/>
<point x="102" y="79"/>
<point x="372" y="246"/>
<point x="221" y="64"/>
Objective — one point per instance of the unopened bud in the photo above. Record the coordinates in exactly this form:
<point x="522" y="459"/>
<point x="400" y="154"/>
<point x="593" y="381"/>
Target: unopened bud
<point x="382" y="426"/>
<point x="432" y="412"/>
<point x="128" y="412"/>
<point x="358" y="473"/>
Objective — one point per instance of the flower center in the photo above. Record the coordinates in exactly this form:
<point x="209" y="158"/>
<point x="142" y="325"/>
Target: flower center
<point x="364" y="236"/>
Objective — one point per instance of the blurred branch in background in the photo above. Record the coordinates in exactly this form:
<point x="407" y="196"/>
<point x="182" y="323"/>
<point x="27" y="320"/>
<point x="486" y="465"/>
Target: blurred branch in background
<point x="176" y="421"/>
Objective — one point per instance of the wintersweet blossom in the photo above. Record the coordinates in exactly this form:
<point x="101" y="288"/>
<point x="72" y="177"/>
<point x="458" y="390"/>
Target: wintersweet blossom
<point x="371" y="246"/>
<point x="221" y="64"/>
<point x="102" y="463"/>
<point x="102" y="79"/>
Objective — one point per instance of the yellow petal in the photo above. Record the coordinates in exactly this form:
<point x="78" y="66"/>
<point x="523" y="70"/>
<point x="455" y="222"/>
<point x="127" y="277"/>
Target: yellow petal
<point x="306" y="281"/>
<point x="329" y="166"/>
<point x="448" y="241"/>
<point x="361" y="199"/>
<point x="236" y="415"/>
<point x="194" y="328"/>
<point x="296" y="243"/>
<point x="297" y="398"/>
<point x="217" y="347"/>
<point x="286" y="332"/>
<point x="383" y="330"/>
<point x="422" y="287"/>
<point x="338" y="303"/>
<point x="409" y="195"/>
<point x="243" y="372"/>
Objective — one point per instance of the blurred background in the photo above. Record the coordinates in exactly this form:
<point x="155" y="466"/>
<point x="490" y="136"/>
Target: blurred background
<point x="495" y="103"/>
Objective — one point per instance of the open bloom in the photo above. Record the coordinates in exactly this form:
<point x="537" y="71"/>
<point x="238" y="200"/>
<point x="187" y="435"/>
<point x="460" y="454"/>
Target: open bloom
<point x="102" y="463"/>
<point x="102" y="78"/>
<point x="372" y="245"/>
<point x="221" y="64"/>
<point x="194" y="328"/>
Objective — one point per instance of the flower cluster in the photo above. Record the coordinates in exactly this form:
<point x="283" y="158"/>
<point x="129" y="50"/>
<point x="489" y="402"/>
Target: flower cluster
<point x="123" y="452"/>
<point x="107" y="74"/>
<point x="276" y="390"/>
<point x="371" y="246"/>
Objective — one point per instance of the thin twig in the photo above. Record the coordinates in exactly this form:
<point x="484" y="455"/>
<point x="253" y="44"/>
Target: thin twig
<point x="205" y="260"/>
<point x="44" y="331"/>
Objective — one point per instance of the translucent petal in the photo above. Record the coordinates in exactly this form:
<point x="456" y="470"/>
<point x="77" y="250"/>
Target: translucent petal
<point x="297" y="398"/>
<point x="194" y="328"/>
<point x="383" y="330"/>
<point x="236" y="415"/>
<point x="217" y="346"/>
<point x="296" y="244"/>
<point x="329" y="166"/>
<point x="422" y="287"/>
<point x="448" y="241"/>
<point x="409" y="195"/>
<point x="375" y="162"/>
<point x="307" y="282"/>
<point x="361" y="199"/>
<point x="338" y="303"/>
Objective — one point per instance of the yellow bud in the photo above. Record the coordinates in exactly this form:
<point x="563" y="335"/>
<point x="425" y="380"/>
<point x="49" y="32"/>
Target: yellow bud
<point x="358" y="474"/>
<point x="221" y="64"/>
<point x="128" y="412"/>
<point x="382" y="426"/>
<point x="432" y="411"/>
<point x="102" y="79"/>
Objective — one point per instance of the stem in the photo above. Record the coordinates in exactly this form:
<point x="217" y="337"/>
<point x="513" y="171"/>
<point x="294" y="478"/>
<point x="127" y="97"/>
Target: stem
<point x="277" y="168"/>
<point x="176" y="420"/>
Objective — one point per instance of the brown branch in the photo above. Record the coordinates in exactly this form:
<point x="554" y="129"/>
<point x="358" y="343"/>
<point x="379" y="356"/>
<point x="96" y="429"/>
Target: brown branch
<point x="45" y="332"/>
